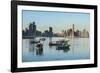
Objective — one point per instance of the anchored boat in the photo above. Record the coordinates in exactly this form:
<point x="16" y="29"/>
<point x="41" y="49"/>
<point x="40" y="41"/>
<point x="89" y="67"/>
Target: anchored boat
<point x="60" y="42"/>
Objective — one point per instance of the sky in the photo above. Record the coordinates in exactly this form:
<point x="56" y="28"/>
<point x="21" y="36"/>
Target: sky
<point x="57" y="20"/>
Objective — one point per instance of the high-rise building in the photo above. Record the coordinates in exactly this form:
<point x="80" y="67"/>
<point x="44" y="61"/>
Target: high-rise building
<point x="50" y="31"/>
<point x="70" y="32"/>
<point x="73" y="30"/>
<point x="32" y="29"/>
<point x="77" y="33"/>
<point x="46" y="33"/>
<point x="85" y="34"/>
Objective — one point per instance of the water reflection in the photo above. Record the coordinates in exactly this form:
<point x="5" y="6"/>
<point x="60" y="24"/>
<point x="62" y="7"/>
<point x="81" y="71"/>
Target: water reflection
<point x="37" y="47"/>
<point x="78" y="49"/>
<point x="31" y="46"/>
<point x="65" y="50"/>
<point x="50" y="39"/>
<point x="39" y="51"/>
<point x="34" y="48"/>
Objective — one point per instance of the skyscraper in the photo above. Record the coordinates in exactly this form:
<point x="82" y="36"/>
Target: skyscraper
<point x="50" y="32"/>
<point x="50" y="29"/>
<point x="73" y="30"/>
<point x="32" y="29"/>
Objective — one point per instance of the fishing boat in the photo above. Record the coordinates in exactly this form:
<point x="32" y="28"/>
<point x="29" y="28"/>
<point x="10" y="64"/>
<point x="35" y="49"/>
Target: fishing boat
<point x="53" y="43"/>
<point x="60" y="42"/>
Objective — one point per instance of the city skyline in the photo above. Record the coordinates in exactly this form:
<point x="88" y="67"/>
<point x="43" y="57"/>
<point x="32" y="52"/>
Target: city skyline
<point x="33" y="32"/>
<point x="58" y="20"/>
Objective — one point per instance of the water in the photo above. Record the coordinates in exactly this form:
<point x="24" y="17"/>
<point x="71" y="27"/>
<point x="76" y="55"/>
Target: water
<point x="79" y="49"/>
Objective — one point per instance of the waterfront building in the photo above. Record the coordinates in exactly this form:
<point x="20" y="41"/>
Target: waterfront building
<point x="85" y="34"/>
<point x="69" y="32"/>
<point x="50" y="32"/>
<point x="77" y="33"/>
<point x="32" y="29"/>
<point x="73" y="30"/>
<point x="46" y="33"/>
<point x="38" y="33"/>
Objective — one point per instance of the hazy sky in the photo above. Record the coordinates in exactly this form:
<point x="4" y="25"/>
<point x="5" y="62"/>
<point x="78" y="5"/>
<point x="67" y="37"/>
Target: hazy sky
<point x="57" y="20"/>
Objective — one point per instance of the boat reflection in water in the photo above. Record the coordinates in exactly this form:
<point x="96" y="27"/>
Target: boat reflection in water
<point x="39" y="49"/>
<point x="65" y="48"/>
<point x="38" y="46"/>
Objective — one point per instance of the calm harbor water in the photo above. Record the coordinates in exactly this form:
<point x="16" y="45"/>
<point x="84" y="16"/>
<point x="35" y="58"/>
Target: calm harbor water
<point x="79" y="49"/>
